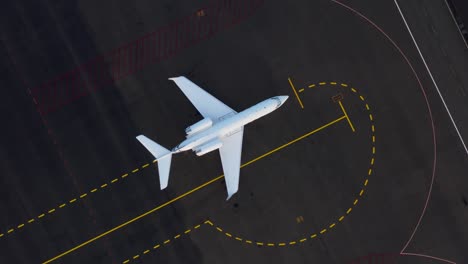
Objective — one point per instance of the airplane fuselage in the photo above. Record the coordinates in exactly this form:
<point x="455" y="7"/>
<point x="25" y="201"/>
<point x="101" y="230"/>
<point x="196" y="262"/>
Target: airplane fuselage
<point x="230" y="124"/>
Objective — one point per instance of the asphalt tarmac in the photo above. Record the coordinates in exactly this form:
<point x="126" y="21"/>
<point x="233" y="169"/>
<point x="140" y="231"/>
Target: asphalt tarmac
<point x="341" y="173"/>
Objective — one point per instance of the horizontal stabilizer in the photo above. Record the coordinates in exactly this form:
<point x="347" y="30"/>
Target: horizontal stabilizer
<point x="163" y="157"/>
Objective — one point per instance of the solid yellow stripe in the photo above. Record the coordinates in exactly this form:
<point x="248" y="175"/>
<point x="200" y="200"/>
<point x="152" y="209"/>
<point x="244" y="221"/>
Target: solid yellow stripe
<point x="187" y="193"/>
<point x="293" y="141"/>
<point x="346" y="115"/>
<point x="133" y="220"/>
<point x="294" y="90"/>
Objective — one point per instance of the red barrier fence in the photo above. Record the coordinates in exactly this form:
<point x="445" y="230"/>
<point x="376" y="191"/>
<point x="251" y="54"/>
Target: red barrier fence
<point x="146" y="50"/>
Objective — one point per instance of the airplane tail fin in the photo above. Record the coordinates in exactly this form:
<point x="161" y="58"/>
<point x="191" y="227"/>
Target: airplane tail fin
<point x="163" y="156"/>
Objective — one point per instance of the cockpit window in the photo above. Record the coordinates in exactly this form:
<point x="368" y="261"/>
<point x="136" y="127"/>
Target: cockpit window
<point x="278" y="101"/>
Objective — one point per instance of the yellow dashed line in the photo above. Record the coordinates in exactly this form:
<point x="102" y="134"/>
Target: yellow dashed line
<point x="1" y="235"/>
<point x="168" y="241"/>
<point x="51" y="211"/>
<point x="208" y="222"/>
<point x="341" y="218"/>
<point x="301" y="90"/>
<point x="219" y="229"/>
<point x="126" y="261"/>
<point x="9" y="231"/>
<point x="270" y="244"/>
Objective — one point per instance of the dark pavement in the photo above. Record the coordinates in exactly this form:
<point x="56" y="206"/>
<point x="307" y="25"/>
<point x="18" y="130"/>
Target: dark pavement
<point x="79" y="188"/>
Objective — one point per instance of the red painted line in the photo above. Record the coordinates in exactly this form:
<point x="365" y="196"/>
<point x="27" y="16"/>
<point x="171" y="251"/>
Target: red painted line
<point x="130" y="51"/>
<point x="139" y="52"/>
<point x="144" y="51"/>
<point x="155" y="46"/>
<point x="235" y="12"/>
<point x="165" y="44"/>
<point x="125" y="62"/>
<point x="176" y="44"/>
<point x="135" y="55"/>
<point x="52" y="91"/>
<point x="187" y="32"/>
<point x="117" y="67"/>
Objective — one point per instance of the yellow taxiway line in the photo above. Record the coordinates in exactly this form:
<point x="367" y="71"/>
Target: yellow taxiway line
<point x="295" y="92"/>
<point x="189" y="192"/>
<point x="347" y="117"/>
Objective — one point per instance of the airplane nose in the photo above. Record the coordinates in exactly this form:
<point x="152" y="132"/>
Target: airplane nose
<point x="283" y="98"/>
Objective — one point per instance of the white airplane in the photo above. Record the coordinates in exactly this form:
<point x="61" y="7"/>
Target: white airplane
<point x="222" y="128"/>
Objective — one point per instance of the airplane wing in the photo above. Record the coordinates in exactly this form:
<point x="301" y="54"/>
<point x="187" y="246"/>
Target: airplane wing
<point x="205" y="103"/>
<point x="230" y="153"/>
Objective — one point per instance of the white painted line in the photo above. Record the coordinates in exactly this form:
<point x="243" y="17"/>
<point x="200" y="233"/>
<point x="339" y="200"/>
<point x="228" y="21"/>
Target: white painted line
<point x="432" y="77"/>
<point x="456" y="24"/>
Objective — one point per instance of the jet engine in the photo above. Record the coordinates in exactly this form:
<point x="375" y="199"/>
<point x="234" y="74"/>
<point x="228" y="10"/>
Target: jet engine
<point x="199" y="126"/>
<point x="208" y="147"/>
